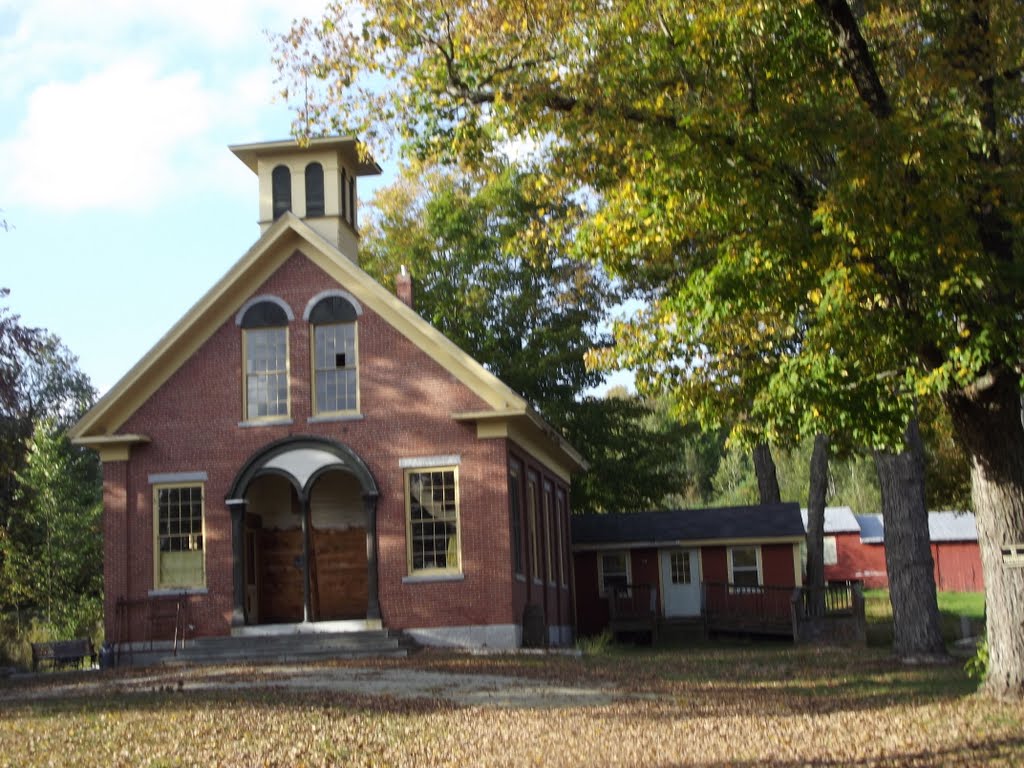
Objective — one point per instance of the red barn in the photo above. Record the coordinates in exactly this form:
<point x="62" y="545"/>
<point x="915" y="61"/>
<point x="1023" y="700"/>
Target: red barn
<point x="855" y="549"/>
<point x="302" y="448"/>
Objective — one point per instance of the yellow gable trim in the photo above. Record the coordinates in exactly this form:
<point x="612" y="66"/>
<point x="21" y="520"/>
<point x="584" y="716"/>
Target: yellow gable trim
<point x="286" y="236"/>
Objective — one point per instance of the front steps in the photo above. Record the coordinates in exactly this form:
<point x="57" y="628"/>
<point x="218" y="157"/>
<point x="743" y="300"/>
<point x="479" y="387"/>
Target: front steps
<point x="275" y="643"/>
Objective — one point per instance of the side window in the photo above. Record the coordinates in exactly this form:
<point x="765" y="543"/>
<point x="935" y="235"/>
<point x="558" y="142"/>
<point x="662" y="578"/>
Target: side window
<point x="612" y="571"/>
<point x="432" y="520"/>
<point x="265" y="386"/>
<point x="314" y="189"/>
<point x="335" y="355"/>
<point x="549" y="535"/>
<point x="745" y="566"/>
<point x="178" y="536"/>
<point x="831" y="554"/>
<point x="515" y="504"/>
<point x="281" y="190"/>
<point x="531" y="525"/>
<point x="563" y="555"/>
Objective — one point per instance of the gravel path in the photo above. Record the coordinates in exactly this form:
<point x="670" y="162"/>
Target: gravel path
<point x="459" y="688"/>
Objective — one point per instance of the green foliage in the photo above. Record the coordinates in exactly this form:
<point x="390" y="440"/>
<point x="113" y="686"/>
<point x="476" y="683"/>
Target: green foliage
<point x="52" y="558"/>
<point x="977" y="666"/>
<point x="518" y="305"/>
<point x="826" y="231"/>
<point x="635" y="454"/>
<point x="596" y="645"/>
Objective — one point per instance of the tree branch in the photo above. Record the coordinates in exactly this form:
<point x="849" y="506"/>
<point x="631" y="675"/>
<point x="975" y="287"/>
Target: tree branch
<point x="856" y="57"/>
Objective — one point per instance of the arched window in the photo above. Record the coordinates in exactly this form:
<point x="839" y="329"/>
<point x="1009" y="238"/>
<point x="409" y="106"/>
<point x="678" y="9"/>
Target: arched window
<point x="314" y="189"/>
<point x="264" y="326"/>
<point x="335" y="360"/>
<point x="281" y="190"/>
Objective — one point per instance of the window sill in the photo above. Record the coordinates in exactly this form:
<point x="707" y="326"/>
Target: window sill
<point x="335" y="417"/>
<point x="176" y="591"/>
<point x="520" y="577"/>
<point x="433" y="577"/>
<point x="266" y="423"/>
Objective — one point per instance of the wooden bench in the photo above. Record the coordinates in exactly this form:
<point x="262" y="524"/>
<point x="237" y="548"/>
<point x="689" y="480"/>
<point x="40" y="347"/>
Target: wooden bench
<point x="63" y="653"/>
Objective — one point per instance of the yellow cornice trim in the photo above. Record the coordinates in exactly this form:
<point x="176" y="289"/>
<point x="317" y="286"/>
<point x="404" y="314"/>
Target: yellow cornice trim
<point x="528" y="430"/>
<point x="112" y="447"/>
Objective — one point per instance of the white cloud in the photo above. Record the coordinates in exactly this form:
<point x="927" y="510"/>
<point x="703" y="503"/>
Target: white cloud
<point x="108" y="140"/>
<point x="106" y="106"/>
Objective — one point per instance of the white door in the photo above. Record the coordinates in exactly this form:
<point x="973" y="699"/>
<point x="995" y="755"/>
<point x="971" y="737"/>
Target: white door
<point x="680" y="582"/>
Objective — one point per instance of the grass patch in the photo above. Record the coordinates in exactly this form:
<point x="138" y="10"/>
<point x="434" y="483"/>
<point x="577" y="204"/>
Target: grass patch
<point x="952" y="605"/>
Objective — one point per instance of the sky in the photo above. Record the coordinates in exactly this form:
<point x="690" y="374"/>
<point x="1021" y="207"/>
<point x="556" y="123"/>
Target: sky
<point x="124" y="202"/>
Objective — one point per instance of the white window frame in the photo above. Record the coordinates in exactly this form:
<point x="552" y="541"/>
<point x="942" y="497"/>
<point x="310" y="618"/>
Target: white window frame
<point x="624" y="553"/>
<point x="745" y="569"/>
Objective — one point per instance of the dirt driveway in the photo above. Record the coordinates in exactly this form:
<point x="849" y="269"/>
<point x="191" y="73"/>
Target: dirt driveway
<point x="463" y="689"/>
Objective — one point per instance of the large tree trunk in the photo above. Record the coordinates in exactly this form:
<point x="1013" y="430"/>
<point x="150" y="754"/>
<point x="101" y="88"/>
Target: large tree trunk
<point x="908" y="554"/>
<point x="988" y="422"/>
<point x="767" y="477"/>
<point x="816" y="524"/>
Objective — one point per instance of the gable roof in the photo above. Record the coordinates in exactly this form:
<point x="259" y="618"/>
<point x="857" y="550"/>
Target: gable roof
<point x="762" y="522"/>
<point x="837" y="520"/>
<point x="281" y="240"/>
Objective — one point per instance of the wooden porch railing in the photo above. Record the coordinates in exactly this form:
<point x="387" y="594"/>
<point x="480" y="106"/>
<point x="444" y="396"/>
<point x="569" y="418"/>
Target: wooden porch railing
<point x="633" y="608"/>
<point x="832" y="614"/>
<point x="757" y="610"/>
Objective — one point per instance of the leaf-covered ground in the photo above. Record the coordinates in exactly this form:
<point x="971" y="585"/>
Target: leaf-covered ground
<point x="732" y="705"/>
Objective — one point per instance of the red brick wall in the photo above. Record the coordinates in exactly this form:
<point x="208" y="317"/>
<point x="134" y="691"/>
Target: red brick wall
<point x="406" y="400"/>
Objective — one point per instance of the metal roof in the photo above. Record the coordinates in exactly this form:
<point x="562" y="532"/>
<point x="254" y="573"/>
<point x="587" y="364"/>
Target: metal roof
<point x="952" y="526"/>
<point x="942" y="526"/>
<point x="837" y="520"/>
<point x="767" y="521"/>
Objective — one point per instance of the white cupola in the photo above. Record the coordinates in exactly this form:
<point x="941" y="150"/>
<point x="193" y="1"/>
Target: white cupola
<point x="316" y="182"/>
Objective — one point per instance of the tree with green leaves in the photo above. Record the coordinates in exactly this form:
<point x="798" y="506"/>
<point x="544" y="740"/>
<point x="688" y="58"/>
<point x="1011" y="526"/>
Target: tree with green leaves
<point x="823" y="201"/>
<point x="526" y="311"/>
<point x="51" y="553"/>
<point x="519" y="305"/>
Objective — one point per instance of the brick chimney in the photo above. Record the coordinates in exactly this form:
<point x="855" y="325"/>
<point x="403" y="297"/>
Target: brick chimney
<point x="403" y="287"/>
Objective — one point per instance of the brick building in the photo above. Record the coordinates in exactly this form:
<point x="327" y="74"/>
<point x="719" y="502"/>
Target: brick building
<point x="302" y="447"/>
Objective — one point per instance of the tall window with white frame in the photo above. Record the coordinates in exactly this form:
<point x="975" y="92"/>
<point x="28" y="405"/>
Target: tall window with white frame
<point x="178" y="536"/>
<point x="335" y="357"/>
<point x="432" y="521"/>
<point x="265" y="352"/>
